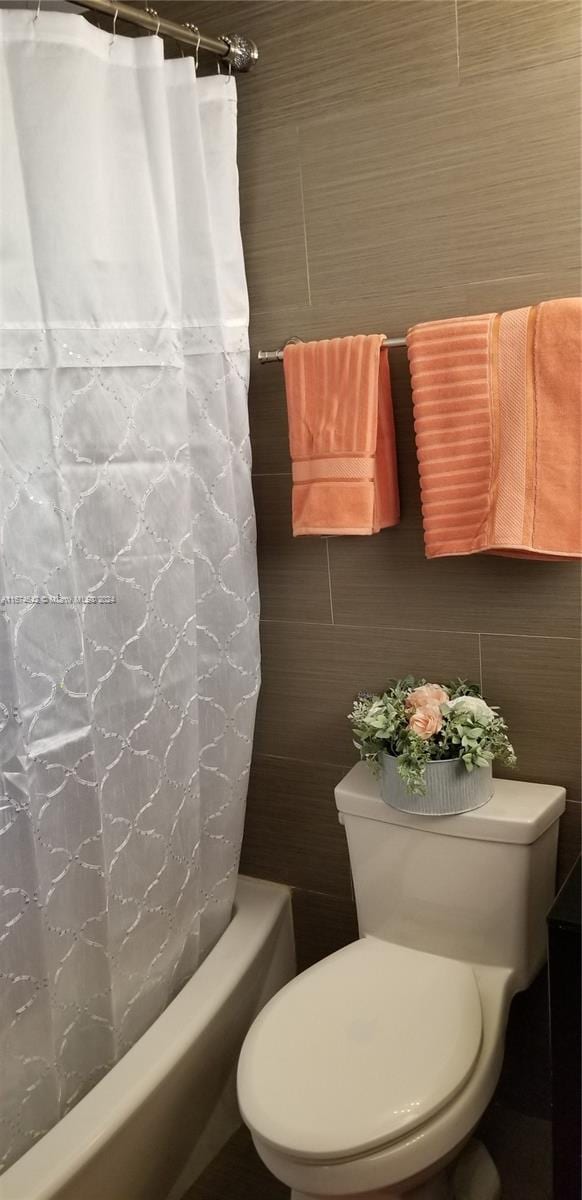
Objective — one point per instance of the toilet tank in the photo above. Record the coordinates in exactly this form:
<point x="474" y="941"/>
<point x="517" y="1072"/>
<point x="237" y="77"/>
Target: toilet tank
<point x="475" y="887"/>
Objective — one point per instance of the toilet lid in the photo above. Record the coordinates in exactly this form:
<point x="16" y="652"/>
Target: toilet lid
<point x="359" y="1050"/>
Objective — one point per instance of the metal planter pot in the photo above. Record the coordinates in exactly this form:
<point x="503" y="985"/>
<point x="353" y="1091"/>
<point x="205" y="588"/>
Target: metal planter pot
<point x="450" y="788"/>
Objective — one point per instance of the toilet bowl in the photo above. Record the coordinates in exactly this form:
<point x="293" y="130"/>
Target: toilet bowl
<point x="367" y="1074"/>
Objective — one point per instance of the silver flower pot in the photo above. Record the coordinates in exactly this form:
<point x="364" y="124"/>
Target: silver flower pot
<point x="450" y="788"/>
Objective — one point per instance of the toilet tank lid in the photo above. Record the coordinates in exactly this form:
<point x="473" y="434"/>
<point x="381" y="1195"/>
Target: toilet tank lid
<point x="517" y="812"/>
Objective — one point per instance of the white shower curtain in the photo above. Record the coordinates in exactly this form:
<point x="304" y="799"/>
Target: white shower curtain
<point x="128" y="594"/>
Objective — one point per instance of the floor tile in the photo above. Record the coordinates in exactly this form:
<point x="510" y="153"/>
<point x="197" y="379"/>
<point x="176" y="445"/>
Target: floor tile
<point x="238" y="1174"/>
<point x="521" y="1148"/>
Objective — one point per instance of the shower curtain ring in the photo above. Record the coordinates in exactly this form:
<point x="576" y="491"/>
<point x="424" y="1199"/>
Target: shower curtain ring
<point x="194" y="29"/>
<point x="37" y="13"/>
<point x="219" y="70"/>
<point x="154" y="13"/>
<point x="114" y="24"/>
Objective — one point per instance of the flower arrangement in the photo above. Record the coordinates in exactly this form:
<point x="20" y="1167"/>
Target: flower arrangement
<point x="419" y="722"/>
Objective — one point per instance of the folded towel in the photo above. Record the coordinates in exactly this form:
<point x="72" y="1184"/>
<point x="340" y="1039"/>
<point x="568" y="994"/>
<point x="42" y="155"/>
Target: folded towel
<point x="341" y="436"/>
<point x="497" y="414"/>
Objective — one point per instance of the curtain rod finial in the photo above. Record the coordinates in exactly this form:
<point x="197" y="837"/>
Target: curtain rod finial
<point x="243" y="53"/>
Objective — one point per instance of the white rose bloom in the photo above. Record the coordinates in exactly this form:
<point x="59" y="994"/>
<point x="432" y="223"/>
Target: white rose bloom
<point x="473" y="706"/>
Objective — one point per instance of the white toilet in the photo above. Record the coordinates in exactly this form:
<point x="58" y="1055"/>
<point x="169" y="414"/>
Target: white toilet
<point x="366" y="1075"/>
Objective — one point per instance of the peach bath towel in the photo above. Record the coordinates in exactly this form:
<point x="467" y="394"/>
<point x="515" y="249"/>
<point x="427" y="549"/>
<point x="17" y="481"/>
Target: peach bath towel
<point x="497" y="415"/>
<point x="341" y="436"/>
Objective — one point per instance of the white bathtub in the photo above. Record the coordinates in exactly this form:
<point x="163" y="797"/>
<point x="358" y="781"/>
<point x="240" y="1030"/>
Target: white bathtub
<point x="151" y="1125"/>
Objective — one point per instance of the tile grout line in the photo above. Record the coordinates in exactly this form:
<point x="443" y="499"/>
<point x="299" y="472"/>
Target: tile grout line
<point x="458" y="42"/>
<point x="329" y="580"/>
<point x="480" y="663"/>
<point x="543" y="637"/>
<point x="303" y="220"/>
<point x="314" y="892"/>
<point x="336" y="766"/>
<point x="307" y="762"/>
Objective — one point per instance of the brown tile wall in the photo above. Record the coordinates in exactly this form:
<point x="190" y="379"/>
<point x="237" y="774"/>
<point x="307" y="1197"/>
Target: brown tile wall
<point x="400" y="160"/>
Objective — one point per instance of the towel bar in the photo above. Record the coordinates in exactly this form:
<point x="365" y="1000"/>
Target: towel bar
<point x="269" y="356"/>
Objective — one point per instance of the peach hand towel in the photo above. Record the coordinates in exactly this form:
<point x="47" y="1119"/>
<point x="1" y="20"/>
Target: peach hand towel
<point x="341" y="436"/>
<point x="497" y="415"/>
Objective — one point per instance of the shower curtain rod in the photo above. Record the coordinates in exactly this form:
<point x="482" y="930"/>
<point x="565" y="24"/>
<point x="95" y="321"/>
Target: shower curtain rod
<point x="238" y="51"/>
<point x="270" y="356"/>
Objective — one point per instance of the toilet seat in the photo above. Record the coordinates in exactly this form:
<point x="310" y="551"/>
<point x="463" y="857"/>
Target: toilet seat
<point x="359" y="1050"/>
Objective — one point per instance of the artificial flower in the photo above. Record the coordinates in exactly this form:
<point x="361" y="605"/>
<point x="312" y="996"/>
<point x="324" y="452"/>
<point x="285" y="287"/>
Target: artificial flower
<point x="427" y="693"/>
<point x="426" y="721"/>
